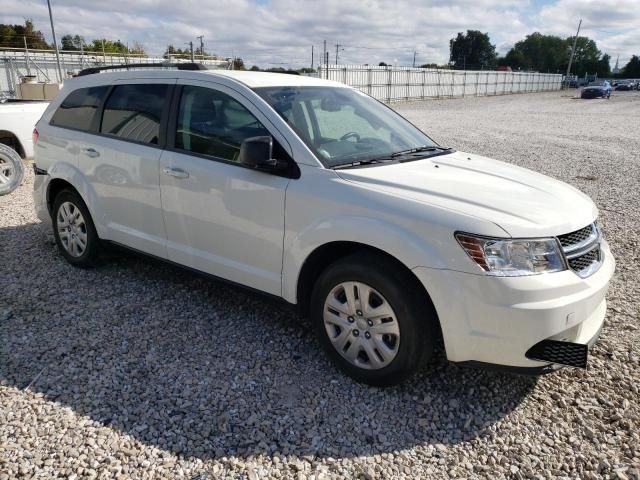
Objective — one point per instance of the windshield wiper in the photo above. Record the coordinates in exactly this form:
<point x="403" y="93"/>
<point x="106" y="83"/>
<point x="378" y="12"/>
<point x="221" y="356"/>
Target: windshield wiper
<point x="394" y="157"/>
<point x="424" y="148"/>
<point x="360" y="163"/>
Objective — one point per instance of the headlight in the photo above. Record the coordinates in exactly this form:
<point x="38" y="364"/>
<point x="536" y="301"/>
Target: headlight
<point x="511" y="258"/>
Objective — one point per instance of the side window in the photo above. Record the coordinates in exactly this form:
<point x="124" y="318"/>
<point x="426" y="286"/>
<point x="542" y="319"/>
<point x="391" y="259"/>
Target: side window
<point x="77" y="110"/>
<point x="213" y="123"/>
<point x="133" y="112"/>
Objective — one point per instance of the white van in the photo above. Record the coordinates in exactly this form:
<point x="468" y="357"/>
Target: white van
<point x="316" y="193"/>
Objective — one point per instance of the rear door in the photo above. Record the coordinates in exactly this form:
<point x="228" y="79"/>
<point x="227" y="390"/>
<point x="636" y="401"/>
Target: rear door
<point x="220" y="216"/>
<point x="68" y="127"/>
<point x="121" y="162"/>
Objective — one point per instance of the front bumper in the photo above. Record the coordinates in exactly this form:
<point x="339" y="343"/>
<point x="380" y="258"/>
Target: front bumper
<point x="496" y="320"/>
<point x="593" y="94"/>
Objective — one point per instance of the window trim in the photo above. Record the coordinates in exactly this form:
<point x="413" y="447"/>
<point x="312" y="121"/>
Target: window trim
<point x="292" y="171"/>
<point x="73" y="129"/>
<point x="164" y="116"/>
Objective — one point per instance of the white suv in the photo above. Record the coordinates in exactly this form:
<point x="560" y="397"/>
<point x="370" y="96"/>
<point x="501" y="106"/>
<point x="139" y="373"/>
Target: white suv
<point x="314" y="192"/>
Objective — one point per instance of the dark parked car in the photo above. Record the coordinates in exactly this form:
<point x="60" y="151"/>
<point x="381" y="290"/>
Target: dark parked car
<point x="624" y="85"/>
<point x="597" y="89"/>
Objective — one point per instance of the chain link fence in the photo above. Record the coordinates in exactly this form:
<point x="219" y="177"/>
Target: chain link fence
<point x="405" y="83"/>
<point x="14" y="65"/>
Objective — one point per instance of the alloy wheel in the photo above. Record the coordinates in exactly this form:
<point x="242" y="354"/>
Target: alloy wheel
<point x="72" y="229"/>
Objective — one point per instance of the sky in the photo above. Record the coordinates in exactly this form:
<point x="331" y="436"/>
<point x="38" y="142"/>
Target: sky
<point x="272" y="33"/>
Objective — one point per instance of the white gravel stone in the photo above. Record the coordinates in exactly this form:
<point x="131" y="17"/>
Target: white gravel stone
<point x="139" y="370"/>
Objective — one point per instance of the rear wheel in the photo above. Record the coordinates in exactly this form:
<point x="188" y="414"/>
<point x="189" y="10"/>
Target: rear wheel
<point x="74" y="230"/>
<point x="11" y="169"/>
<point x="372" y="320"/>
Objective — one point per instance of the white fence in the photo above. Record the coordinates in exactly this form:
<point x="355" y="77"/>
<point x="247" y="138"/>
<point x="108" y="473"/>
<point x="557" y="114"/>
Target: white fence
<point x="404" y="83"/>
<point x="42" y="64"/>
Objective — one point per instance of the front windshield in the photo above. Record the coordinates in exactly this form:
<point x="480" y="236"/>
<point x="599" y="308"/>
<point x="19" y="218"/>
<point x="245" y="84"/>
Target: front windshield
<point x="343" y="126"/>
<point x="599" y="83"/>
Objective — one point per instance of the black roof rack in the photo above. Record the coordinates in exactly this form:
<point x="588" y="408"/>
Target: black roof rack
<point x="129" y="66"/>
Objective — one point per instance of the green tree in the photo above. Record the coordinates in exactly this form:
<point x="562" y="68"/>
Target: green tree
<point x="72" y="42"/>
<point x="472" y="50"/>
<point x="13" y="36"/>
<point x="544" y="53"/>
<point x="587" y="57"/>
<point x="632" y="69"/>
<point x="548" y="53"/>
<point x="110" y="46"/>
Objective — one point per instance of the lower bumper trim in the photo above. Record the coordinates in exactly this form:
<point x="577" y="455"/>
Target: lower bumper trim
<point x="529" y="371"/>
<point x="565" y="353"/>
<point x="540" y="370"/>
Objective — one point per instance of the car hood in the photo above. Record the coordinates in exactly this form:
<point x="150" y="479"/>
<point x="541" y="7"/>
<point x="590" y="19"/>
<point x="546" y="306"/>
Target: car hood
<point x="594" y="88"/>
<point x="522" y="202"/>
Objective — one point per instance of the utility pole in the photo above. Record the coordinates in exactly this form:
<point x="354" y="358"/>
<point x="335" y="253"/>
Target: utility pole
<point x="311" y="57"/>
<point x="337" y="48"/>
<point x="324" y="56"/>
<point x="26" y="55"/>
<point x="104" y="55"/>
<point x="201" y="37"/>
<point x="191" y="50"/>
<point x="326" y="65"/>
<point x="55" y="43"/>
<point x="414" y="59"/>
<point x="573" y="50"/>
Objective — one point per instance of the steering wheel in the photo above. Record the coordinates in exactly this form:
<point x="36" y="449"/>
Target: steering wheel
<point x="350" y="135"/>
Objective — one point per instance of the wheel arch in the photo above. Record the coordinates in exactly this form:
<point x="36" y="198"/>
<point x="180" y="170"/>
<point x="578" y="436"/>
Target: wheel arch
<point x="56" y="185"/>
<point x="66" y="177"/>
<point x="11" y="140"/>
<point x="331" y="252"/>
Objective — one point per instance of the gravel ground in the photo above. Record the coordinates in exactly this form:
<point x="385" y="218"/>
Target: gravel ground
<point x="140" y="370"/>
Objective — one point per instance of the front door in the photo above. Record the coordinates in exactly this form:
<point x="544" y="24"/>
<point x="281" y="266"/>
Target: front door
<point x="221" y="217"/>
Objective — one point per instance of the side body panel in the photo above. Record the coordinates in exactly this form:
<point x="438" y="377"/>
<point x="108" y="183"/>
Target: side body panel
<point x="223" y="218"/>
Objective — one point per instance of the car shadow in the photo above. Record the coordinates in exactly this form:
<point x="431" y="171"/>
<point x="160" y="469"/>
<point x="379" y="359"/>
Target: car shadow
<point x="205" y="370"/>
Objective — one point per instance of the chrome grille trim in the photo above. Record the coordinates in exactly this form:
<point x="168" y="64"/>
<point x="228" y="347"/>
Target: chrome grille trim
<point x="582" y="250"/>
<point x="579" y="239"/>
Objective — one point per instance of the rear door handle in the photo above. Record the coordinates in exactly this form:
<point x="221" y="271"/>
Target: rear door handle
<point x="91" y="152"/>
<point x="175" y="172"/>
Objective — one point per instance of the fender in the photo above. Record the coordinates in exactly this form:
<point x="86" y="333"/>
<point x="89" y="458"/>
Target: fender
<point x="70" y="173"/>
<point x="391" y="238"/>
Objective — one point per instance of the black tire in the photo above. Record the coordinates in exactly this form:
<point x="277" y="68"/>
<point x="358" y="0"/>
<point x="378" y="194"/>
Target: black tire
<point x="11" y="169"/>
<point x="89" y="257"/>
<point x="414" y="313"/>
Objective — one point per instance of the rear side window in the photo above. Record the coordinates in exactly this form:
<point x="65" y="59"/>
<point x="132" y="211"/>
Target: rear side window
<point x="133" y="112"/>
<point x="77" y="110"/>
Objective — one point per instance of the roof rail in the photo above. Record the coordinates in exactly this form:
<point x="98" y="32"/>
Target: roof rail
<point x="129" y="66"/>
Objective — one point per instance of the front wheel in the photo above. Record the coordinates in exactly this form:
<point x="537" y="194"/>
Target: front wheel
<point x="371" y="319"/>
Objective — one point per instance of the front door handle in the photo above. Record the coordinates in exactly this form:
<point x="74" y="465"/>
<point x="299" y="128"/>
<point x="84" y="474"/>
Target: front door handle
<point x="91" y="152"/>
<point x="175" y="172"/>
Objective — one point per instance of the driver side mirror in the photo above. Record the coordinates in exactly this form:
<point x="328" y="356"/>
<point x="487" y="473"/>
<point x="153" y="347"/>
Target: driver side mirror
<point x="256" y="152"/>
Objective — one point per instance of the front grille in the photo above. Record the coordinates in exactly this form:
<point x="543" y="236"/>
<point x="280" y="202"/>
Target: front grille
<point x="582" y="250"/>
<point x="577" y="237"/>
<point x="583" y="262"/>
